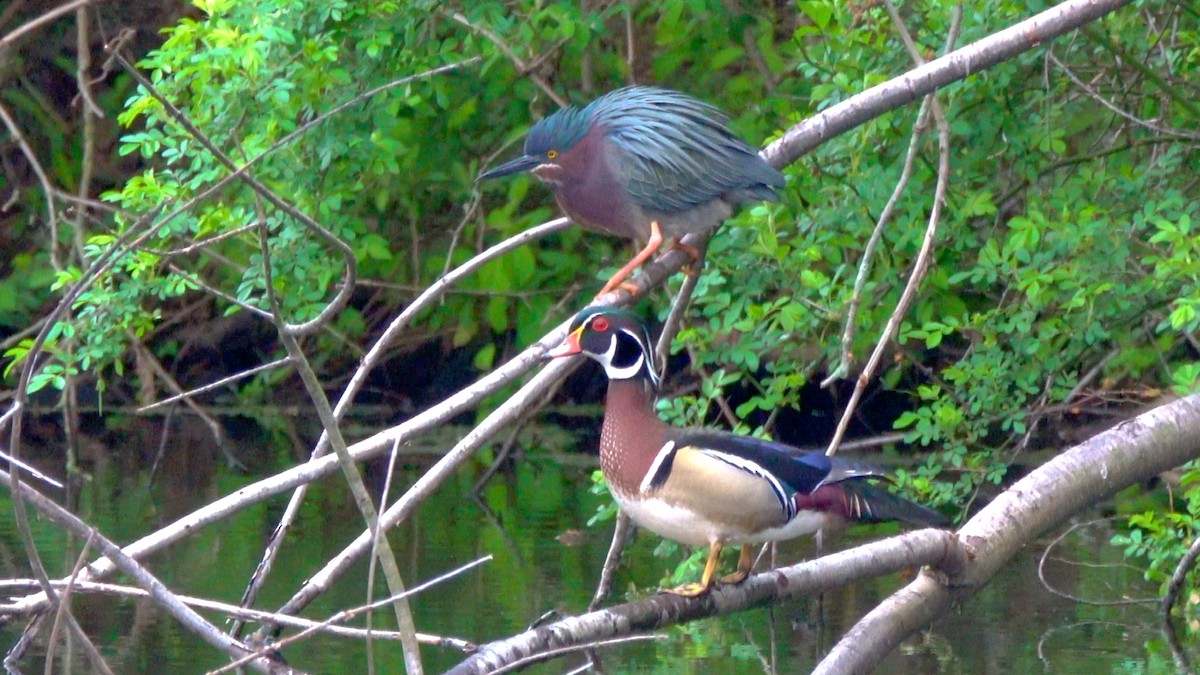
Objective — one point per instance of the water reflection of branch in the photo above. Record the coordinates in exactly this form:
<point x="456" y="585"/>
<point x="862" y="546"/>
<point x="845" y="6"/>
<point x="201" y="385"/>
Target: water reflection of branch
<point x="1058" y="629"/>
<point x="162" y="596"/>
<point x="1168" y="602"/>
<point x="246" y="614"/>
<point x="1076" y="479"/>
<point x="768" y="666"/>
<point x="347" y="614"/>
<point x="1075" y="598"/>
<point x="64" y="615"/>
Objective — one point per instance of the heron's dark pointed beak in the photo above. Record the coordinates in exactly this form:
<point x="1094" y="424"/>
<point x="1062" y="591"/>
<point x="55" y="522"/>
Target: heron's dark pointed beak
<point x="569" y="346"/>
<point x="519" y="165"/>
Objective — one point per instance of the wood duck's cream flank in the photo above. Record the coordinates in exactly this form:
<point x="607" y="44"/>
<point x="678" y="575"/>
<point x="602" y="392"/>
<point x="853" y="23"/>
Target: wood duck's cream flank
<point x="738" y="506"/>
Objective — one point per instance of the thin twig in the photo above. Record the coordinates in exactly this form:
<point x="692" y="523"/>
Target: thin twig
<point x="214" y="385"/>
<point x="214" y="427"/>
<point x="1139" y="65"/>
<point x="1117" y="110"/>
<point x="458" y="644"/>
<point x="727" y="412"/>
<point x="517" y="61"/>
<point x="345" y="615"/>
<point x="158" y="592"/>
<point x="925" y="255"/>
<point x="216" y="292"/>
<point x="670" y="327"/>
<point x="64" y="614"/>
<point x="624" y="526"/>
<point x="8" y="40"/>
<point x="1090" y="375"/>
<point x="375" y="544"/>
<point x="864" y="266"/>
<point x="358" y="489"/>
<point x="43" y="178"/>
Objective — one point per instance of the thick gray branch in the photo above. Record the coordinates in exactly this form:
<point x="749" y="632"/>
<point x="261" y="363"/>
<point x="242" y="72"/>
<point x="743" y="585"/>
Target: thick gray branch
<point x="1132" y="452"/>
<point x="924" y="547"/>
<point x="926" y="79"/>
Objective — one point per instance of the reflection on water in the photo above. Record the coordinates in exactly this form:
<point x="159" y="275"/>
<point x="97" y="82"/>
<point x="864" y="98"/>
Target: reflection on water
<point x="532" y="519"/>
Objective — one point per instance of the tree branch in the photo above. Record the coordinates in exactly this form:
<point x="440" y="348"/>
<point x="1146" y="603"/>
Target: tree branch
<point x="1131" y="452"/>
<point x="923" y="547"/>
<point x="958" y="65"/>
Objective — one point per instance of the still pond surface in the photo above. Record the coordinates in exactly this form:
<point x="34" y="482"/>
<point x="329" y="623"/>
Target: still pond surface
<point x="533" y="521"/>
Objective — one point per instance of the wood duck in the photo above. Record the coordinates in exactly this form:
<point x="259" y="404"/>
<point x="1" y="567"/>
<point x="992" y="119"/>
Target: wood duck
<point x="711" y="488"/>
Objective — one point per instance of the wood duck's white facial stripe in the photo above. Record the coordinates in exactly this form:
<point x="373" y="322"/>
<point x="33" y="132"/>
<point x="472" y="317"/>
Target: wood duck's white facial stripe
<point x="661" y="464"/>
<point x="645" y="359"/>
<point x="786" y="503"/>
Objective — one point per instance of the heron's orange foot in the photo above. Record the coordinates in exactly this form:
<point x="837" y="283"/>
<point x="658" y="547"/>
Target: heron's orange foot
<point x="627" y="286"/>
<point x="691" y="251"/>
<point x="691" y="590"/>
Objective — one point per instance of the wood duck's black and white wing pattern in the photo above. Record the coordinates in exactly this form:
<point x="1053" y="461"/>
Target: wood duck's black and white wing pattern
<point x="803" y="473"/>
<point x="812" y="481"/>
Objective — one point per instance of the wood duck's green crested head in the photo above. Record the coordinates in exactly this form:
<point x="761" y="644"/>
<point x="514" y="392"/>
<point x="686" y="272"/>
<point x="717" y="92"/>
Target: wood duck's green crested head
<point x="617" y="338"/>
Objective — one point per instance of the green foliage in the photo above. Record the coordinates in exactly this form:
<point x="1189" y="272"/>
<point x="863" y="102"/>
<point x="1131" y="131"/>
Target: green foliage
<point x="1058" y="245"/>
<point x="1161" y="534"/>
<point x="1069" y="237"/>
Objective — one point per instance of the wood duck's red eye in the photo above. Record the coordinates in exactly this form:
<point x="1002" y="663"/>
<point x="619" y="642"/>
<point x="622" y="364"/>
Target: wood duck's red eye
<point x="600" y="324"/>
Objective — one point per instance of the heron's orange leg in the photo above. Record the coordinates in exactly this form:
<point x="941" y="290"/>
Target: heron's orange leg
<point x="692" y="252"/>
<point x="642" y="256"/>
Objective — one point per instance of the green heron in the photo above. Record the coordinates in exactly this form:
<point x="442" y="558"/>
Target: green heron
<point x="644" y="163"/>
<point x="703" y="487"/>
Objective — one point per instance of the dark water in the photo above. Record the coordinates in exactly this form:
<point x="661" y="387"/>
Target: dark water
<point x="1013" y="626"/>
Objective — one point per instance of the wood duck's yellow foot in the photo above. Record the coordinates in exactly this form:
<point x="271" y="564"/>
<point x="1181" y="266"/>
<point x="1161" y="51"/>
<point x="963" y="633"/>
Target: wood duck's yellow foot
<point x="692" y="590"/>
<point x="735" y="578"/>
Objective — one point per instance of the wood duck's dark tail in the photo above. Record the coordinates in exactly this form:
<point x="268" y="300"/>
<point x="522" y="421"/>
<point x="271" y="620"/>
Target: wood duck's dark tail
<point x="871" y="502"/>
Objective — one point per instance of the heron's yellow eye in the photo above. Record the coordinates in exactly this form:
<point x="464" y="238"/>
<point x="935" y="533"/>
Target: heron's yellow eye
<point x="551" y="154"/>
